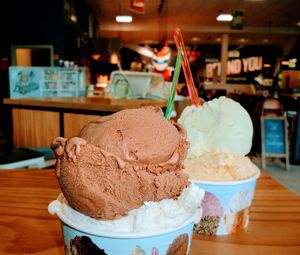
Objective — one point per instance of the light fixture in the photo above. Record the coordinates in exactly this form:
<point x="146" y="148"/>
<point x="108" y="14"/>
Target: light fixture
<point x="285" y="62"/>
<point x="292" y="62"/>
<point x="114" y="59"/>
<point x="195" y="39"/>
<point x="242" y="40"/>
<point x="224" y="17"/>
<point x="96" y="56"/>
<point x="124" y="19"/>
<point x="73" y="18"/>
<point x="266" y="40"/>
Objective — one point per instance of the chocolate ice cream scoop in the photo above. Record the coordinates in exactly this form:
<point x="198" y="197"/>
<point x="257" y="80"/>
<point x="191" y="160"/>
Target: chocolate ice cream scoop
<point x="119" y="161"/>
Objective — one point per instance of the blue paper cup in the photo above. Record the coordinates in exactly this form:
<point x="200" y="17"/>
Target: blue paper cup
<point x="84" y="235"/>
<point x="176" y="241"/>
<point x="226" y="206"/>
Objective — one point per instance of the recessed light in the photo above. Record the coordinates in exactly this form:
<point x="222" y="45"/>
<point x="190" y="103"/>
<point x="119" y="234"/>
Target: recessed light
<point x="148" y="41"/>
<point x="124" y="19"/>
<point x="73" y="18"/>
<point x="195" y="39"/>
<point x="224" y="17"/>
<point x="285" y="62"/>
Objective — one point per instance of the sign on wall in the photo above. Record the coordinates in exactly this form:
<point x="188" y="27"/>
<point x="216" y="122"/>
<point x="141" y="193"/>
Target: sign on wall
<point x="137" y="6"/>
<point x="237" y="66"/>
<point x="237" y="22"/>
<point x="27" y="82"/>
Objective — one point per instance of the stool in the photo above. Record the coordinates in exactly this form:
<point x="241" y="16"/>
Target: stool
<point x="272" y="107"/>
<point x="274" y="132"/>
<point x="21" y="158"/>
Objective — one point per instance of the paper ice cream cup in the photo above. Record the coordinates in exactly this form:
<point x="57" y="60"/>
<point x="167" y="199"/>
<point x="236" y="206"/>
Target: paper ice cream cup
<point x="80" y="234"/>
<point x="226" y="206"/>
<point x="174" y="242"/>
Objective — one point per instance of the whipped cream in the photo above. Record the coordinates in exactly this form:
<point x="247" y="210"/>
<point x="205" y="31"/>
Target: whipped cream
<point x="150" y="218"/>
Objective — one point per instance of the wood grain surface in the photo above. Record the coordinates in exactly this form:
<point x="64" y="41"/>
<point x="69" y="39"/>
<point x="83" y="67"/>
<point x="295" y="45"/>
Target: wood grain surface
<point x="33" y="128"/>
<point x="27" y="227"/>
<point x="74" y="122"/>
<point x="84" y="103"/>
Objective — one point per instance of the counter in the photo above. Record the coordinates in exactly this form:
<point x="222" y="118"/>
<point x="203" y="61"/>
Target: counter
<point x="27" y="227"/>
<point x="36" y="121"/>
<point x="88" y="105"/>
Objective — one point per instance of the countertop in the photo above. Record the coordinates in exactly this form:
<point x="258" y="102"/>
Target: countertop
<point x="83" y="103"/>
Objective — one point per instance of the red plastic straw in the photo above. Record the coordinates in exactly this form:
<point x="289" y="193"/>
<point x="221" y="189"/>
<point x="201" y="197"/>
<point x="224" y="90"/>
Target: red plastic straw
<point x="193" y="93"/>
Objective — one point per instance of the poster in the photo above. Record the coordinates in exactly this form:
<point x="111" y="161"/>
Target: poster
<point x="137" y="6"/>
<point x="25" y="82"/>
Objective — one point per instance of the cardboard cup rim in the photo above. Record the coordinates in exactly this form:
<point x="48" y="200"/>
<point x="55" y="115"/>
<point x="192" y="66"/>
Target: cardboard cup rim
<point x="227" y="183"/>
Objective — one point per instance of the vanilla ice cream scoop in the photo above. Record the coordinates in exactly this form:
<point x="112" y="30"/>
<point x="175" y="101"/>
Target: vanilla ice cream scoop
<point x="219" y="125"/>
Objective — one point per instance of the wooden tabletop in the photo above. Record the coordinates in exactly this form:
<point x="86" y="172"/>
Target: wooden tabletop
<point x="84" y="103"/>
<point x="27" y="227"/>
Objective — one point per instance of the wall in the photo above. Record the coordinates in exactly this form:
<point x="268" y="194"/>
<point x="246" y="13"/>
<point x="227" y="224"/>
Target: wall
<point x="35" y="22"/>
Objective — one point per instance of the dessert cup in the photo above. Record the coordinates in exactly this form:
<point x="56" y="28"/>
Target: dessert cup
<point x="226" y="206"/>
<point x="175" y="242"/>
<point x="80" y="237"/>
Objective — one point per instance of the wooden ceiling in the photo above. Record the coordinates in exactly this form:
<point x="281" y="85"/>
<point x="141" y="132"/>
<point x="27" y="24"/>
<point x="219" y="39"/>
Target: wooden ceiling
<point x="265" y="21"/>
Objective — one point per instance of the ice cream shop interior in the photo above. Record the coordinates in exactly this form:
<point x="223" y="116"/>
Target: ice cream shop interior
<point x="150" y="127"/>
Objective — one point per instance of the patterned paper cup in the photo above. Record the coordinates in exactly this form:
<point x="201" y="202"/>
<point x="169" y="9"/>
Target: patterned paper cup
<point x="175" y="242"/>
<point x="80" y="239"/>
<point x="226" y="206"/>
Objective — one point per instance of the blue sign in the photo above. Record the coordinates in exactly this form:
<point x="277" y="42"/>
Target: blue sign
<point x="274" y="135"/>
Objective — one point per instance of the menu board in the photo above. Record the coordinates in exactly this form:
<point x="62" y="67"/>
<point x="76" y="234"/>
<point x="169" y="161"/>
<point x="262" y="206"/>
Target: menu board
<point x="274" y="138"/>
<point x="274" y="135"/>
<point x="27" y="82"/>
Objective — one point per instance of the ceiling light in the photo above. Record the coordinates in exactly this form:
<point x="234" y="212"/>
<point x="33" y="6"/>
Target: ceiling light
<point x="298" y="24"/>
<point x="233" y="54"/>
<point x="124" y="19"/>
<point x="96" y="56"/>
<point x="195" y="39"/>
<point x="148" y="41"/>
<point x="266" y="40"/>
<point x="73" y="18"/>
<point x="285" y="62"/>
<point x="224" y="17"/>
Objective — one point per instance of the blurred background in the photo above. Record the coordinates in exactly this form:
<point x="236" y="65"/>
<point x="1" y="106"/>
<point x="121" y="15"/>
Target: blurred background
<point x="251" y="55"/>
